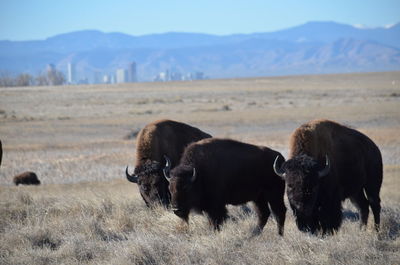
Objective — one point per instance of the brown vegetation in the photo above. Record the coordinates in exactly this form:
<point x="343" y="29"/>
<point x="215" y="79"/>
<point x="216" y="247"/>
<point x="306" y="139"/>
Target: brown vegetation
<point x="86" y="212"/>
<point x="50" y="78"/>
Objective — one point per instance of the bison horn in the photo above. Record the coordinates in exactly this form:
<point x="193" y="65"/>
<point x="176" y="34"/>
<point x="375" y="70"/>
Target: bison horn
<point x="325" y="171"/>
<point x="167" y="168"/>
<point x="131" y="178"/>
<point x="279" y="170"/>
<point x="194" y="175"/>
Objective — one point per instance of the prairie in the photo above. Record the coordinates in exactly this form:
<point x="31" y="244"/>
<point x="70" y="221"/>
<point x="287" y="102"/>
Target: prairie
<point x="78" y="139"/>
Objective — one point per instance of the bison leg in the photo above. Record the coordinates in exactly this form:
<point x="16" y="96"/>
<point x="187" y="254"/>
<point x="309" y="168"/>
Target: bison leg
<point x="375" y="203"/>
<point x="361" y="202"/>
<point x="217" y="216"/>
<point x="263" y="212"/>
<point x="279" y="211"/>
<point x="376" y="210"/>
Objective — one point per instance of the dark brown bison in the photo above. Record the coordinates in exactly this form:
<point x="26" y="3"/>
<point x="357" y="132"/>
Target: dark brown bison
<point x="329" y="163"/>
<point x="26" y="178"/>
<point x="159" y="138"/>
<point x="215" y="172"/>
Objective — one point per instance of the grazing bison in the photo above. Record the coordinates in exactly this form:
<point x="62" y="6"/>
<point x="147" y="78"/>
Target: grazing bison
<point x="164" y="137"/>
<point x="215" y="172"/>
<point x="26" y="178"/>
<point x="329" y="163"/>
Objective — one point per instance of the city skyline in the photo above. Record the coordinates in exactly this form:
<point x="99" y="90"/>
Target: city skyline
<point x="120" y="75"/>
<point x="309" y="48"/>
<point x="36" y="20"/>
<point x="126" y="74"/>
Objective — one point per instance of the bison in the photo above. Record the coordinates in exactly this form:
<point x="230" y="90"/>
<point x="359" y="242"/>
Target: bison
<point x="215" y="172"/>
<point x="26" y="178"/>
<point x="328" y="163"/>
<point x="159" y="138"/>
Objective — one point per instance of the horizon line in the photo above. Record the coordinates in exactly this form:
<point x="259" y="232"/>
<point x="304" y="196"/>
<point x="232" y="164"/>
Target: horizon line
<point x="356" y="26"/>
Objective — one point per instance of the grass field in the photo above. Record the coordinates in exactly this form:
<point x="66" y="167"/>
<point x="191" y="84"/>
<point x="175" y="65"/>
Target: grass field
<point x="76" y="138"/>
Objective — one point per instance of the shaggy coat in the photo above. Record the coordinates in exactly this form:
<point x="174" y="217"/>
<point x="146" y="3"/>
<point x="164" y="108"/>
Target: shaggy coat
<point x="159" y="138"/>
<point x="26" y="178"/>
<point x="352" y="166"/>
<point x="215" y="172"/>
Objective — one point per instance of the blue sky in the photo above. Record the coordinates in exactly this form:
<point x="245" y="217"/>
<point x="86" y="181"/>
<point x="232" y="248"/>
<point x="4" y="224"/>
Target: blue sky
<point x="39" y="19"/>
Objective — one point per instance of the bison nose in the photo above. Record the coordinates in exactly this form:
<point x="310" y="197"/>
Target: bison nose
<point x="178" y="212"/>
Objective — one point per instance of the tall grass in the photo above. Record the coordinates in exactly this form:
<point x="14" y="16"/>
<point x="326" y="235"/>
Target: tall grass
<point x="107" y="223"/>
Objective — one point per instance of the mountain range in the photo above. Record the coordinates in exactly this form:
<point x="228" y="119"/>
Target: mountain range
<point x="315" y="47"/>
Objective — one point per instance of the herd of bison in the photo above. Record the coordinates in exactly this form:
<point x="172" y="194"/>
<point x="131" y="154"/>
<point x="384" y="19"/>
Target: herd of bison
<point x="186" y="169"/>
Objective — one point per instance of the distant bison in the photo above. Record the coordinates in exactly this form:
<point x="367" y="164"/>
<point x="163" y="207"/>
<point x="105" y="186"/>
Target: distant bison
<point x="26" y="178"/>
<point x="329" y="163"/>
<point x="215" y="172"/>
<point x="159" y="138"/>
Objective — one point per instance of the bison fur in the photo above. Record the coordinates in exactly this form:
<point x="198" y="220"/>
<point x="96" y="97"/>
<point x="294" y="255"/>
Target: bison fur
<point x="329" y="162"/>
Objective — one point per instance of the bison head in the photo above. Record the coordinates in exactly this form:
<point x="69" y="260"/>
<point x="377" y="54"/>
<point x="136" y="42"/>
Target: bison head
<point x="302" y="175"/>
<point x="152" y="185"/>
<point x="181" y="180"/>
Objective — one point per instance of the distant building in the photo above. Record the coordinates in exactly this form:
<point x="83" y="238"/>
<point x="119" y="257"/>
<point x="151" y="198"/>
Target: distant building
<point x="199" y="76"/>
<point x="177" y="76"/>
<point x="121" y="75"/>
<point x="131" y="73"/>
<point x="106" y="79"/>
<point x="112" y="79"/>
<point x="161" y="77"/>
<point x="83" y="81"/>
<point x="71" y="73"/>
<point x="51" y="68"/>
<point x="97" y="77"/>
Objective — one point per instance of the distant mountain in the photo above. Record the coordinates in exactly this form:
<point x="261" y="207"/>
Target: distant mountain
<point x="331" y="31"/>
<point x="315" y="47"/>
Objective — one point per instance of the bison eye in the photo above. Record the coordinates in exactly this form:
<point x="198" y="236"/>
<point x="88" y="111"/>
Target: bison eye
<point x="145" y="187"/>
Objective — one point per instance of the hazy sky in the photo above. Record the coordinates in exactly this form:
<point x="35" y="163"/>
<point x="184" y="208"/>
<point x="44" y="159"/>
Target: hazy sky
<point x="39" y="19"/>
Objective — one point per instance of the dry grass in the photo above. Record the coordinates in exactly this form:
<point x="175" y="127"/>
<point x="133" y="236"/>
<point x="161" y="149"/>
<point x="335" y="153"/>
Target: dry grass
<point x="107" y="223"/>
<point x="87" y="213"/>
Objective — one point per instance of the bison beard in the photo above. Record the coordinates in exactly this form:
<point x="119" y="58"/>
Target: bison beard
<point x="216" y="172"/>
<point x="316" y="190"/>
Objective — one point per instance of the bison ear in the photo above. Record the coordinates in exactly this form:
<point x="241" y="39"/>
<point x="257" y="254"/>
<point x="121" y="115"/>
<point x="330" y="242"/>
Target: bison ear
<point x="167" y="168"/>
<point x="322" y="173"/>
<point x="278" y="169"/>
<point x="131" y="178"/>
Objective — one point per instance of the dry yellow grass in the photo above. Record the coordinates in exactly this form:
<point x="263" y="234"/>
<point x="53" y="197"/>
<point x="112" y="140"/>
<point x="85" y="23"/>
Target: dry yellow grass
<point x="87" y="213"/>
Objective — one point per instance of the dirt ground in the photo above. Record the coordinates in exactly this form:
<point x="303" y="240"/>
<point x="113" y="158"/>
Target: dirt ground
<point x="70" y="134"/>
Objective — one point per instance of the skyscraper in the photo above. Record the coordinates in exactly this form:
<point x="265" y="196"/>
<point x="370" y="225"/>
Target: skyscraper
<point x="132" y="77"/>
<point x="121" y="75"/>
<point x="71" y="73"/>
